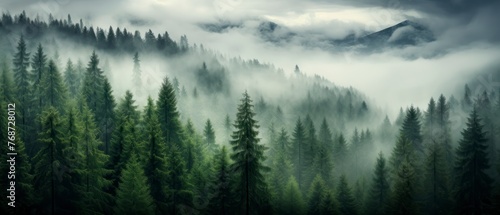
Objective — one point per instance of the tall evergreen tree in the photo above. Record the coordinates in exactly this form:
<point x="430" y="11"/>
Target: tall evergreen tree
<point x="93" y="85"/>
<point x="316" y="193"/>
<point x="380" y="188"/>
<point x="329" y="205"/>
<point x="137" y="71"/>
<point x="221" y="196"/>
<point x="71" y="79"/>
<point x="340" y="152"/>
<point x="209" y="136"/>
<point x="52" y="88"/>
<point x="156" y="163"/>
<point x="473" y="184"/>
<point x="39" y="68"/>
<point x="436" y="182"/>
<point x="402" y="151"/>
<point x="133" y="194"/>
<point x="444" y="130"/>
<point x="169" y="116"/>
<point x="93" y="182"/>
<point x="347" y="204"/>
<point x="179" y="195"/>
<point x="22" y="80"/>
<point x="411" y="129"/>
<point x="248" y="157"/>
<point x="8" y="91"/>
<point x="325" y="136"/>
<point x="298" y="151"/>
<point x="51" y="166"/>
<point x="403" y="197"/>
<point x="107" y="116"/>
<point x="293" y="202"/>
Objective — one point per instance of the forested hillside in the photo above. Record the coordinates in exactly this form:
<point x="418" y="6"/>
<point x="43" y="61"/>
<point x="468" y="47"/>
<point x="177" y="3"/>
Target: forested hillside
<point x="108" y="121"/>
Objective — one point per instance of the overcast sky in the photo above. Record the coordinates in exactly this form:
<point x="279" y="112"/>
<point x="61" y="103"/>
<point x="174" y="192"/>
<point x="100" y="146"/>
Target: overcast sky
<point x="467" y="36"/>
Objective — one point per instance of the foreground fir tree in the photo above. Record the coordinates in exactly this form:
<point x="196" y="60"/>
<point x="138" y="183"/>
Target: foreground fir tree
<point x="411" y="129"/>
<point x="403" y="197"/>
<point x="248" y="157"/>
<point x="293" y="202"/>
<point x="179" y="196"/>
<point x="52" y="175"/>
<point x="133" y="194"/>
<point x="71" y="79"/>
<point x="436" y="183"/>
<point x="93" y="85"/>
<point x="329" y="205"/>
<point x="221" y="195"/>
<point x="347" y="204"/>
<point x="378" y="200"/>
<point x="93" y="182"/>
<point x="107" y="116"/>
<point x="315" y="196"/>
<point x="169" y="116"/>
<point x="156" y="163"/>
<point x="473" y="184"/>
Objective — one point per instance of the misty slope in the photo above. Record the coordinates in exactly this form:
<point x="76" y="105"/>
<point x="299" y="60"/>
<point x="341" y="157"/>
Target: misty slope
<point x="203" y="77"/>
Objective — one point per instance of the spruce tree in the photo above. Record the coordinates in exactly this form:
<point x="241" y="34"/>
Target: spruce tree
<point x="293" y="202"/>
<point x="179" y="195"/>
<point x="436" y="182"/>
<point x="473" y="184"/>
<point x="347" y="204"/>
<point x="411" y="129"/>
<point x="316" y="193"/>
<point x="156" y="163"/>
<point x="221" y="196"/>
<point x="248" y="157"/>
<point x="444" y="130"/>
<point x="378" y="200"/>
<point x="93" y="85"/>
<point x="340" y="152"/>
<point x="402" y="151"/>
<point x="71" y="79"/>
<point x="24" y="180"/>
<point x="209" y="136"/>
<point x="22" y="80"/>
<point x="52" y="174"/>
<point x="53" y="90"/>
<point x="93" y="182"/>
<point x="329" y="205"/>
<point x="169" y="116"/>
<point x="281" y="170"/>
<point x="8" y="91"/>
<point x="403" y="197"/>
<point x="298" y="151"/>
<point x="133" y="194"/>
<point x="325" y="136"/>
<point x="107" y="116"/>
<point x="39" y="68"/>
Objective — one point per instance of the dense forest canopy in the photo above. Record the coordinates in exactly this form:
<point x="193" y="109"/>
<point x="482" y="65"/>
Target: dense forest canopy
<point x="112" y="121"/>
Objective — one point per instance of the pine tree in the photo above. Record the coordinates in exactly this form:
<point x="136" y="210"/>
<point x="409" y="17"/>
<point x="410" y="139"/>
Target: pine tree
<point x="411" y="129"/>
<point x="473" y="185"/>
<point x="107" y="116"/>
<point x="53" y="90"/>
<point x="179" y="195"/>
<point x="325" y="136"/>
<point x="93" y="85"/>
<point x="39" y="68"/>
<point x="329" y="205"/>
<point x="340" y="152"/>
<point x="403" y="197"/>
<point x="323" y="164"/>
<point x="444" y="130"/>
<point x="93" y="182"/>
<point x="156" y="163"/>
<point x="133" y="194"/>
<point x="378" y="200"/>
<point x="402" y="151"/>
<point x="281" y="170"/>
<point x="209" y="136"/>
<point x="347" y="204"/>
<point x="430" y="123"/>
<point x="169" y="116"/>
<point x="316" y="192"/>
<point x="293" y="203"/>
<point x="298" y="151"/>
<point x="71" y="79"/>
<point x="22" y="80"/>
<point x="51" y="166"/>
<point x="436" y="183"/>
<point x="248" y="157"/>
<point x="221" y="196"/>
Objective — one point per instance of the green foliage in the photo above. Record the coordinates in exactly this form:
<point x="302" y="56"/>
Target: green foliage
<point x="403" y="197"/>
<point x="293" y="202"/>
<point x="107" y="116"/>
<point x="133" y="195"/>
<point x="298" y="151"/>
<point x="347" y="204"/>
<point x="316" y="193"/>
<point x="221" y="195"/>
<point x="209" y="137"/>
<point x="411" y="129"/>
<point x="93" y="84"/>
<point x="168" y="115"/>
<point x="52" y="88"/>
<point x="378" y="199"/>
<point x="473" y="185"/>
<point x="436" y="182"/>
<point x="71" y="79"/>
<point x="329" y="205"/>
<point x="39" y="68"/>
<point x="248" y="157"/>
<point x="179" y="195"/>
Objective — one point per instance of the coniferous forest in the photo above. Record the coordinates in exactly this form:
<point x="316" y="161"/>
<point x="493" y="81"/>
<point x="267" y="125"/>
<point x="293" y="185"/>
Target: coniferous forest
<point x="116" y="121"/>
